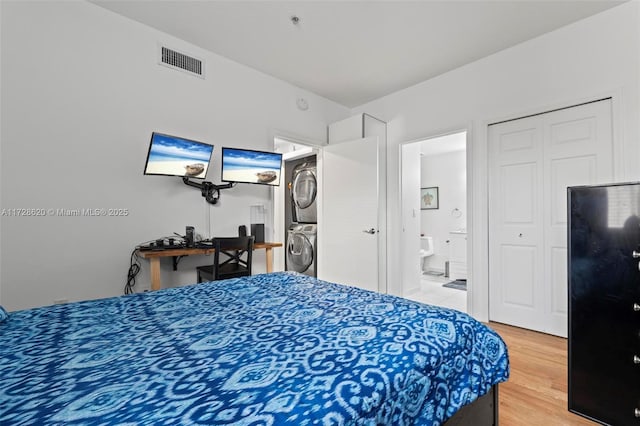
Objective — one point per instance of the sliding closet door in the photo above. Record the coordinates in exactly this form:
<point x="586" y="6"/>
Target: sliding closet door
<point x="531" y="162"/>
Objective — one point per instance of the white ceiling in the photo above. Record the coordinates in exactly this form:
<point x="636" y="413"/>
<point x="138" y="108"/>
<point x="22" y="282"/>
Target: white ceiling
<point x="353" y="52"/>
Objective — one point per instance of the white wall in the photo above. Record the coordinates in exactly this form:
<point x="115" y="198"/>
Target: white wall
<point x="81" y="94"/>
<point x="595" y="57"/>
<point x="449" y="173"/>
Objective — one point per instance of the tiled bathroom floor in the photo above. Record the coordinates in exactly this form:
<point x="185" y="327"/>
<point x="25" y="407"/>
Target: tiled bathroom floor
<point x="432" y="292"/>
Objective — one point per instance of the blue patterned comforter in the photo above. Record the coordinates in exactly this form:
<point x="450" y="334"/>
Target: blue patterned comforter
<point x="269" y="349"/>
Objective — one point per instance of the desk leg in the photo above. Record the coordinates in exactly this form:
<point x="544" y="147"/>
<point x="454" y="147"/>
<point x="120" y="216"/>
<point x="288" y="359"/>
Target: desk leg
<point x="154" y="265"/>
<point x="269" y="260"/>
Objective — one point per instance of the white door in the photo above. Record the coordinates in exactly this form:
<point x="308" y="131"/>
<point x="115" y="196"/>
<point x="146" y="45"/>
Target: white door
<point x="410" y="245"/>
<point x="531" y="162"/>
<point x="349" y="228"/>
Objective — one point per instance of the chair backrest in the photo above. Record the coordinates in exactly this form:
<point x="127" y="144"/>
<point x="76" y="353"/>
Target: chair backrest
<point x="232" y="257"/>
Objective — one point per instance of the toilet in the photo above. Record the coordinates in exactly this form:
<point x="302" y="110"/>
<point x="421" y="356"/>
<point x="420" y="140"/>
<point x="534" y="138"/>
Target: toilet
<point x="426" y="250"/>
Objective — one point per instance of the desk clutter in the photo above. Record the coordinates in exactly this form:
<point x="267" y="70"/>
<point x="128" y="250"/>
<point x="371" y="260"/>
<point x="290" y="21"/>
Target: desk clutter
<point x="176" y="241"/>
<point x="163" y="244"/>
<point x="189" y="240"/>
<point x="171" y="243"/>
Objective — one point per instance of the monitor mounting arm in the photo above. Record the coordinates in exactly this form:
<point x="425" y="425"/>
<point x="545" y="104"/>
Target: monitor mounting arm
<point x="210" y="191"/>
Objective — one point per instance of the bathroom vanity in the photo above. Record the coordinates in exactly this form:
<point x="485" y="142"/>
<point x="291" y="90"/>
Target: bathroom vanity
<point x="458" y="255"/>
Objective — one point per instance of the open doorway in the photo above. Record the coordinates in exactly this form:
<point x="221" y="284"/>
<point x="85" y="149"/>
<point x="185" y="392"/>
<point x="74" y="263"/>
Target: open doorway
<point x="295" y="207"/>
<point x="434" y="211"/>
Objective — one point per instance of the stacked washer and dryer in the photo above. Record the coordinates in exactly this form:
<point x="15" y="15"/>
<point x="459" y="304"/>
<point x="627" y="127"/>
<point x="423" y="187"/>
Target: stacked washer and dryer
<point x="301" y="215"/>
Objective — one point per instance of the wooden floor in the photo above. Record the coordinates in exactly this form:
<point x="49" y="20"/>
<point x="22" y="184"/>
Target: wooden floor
<point x="536" y="393"/>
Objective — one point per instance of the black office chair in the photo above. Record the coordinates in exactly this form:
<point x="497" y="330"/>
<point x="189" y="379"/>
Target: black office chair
<point x="228" y="259"/>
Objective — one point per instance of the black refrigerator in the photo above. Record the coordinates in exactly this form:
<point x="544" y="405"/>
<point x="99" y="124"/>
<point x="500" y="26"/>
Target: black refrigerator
<point x="604" y="302"/>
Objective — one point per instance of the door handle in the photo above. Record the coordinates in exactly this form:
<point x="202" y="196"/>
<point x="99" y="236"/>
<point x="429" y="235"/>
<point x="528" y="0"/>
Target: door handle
<point x="370" y="231"/>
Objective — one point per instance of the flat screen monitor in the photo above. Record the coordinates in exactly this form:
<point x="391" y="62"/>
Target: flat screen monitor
<point x="174" y="156"/>
<point x="249" y="166"/>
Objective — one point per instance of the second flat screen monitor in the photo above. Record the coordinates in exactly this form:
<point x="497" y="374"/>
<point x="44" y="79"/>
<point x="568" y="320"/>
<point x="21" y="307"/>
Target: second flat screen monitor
<point x="249" y="166"/>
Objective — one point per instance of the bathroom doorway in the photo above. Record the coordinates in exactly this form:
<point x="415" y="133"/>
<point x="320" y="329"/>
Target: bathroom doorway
<point x="434" y="212"/>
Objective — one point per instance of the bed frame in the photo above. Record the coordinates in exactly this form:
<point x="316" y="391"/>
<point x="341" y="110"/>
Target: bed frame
<point x="482" y="412"/>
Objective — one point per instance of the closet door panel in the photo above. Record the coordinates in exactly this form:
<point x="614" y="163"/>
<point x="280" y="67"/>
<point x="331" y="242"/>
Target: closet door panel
<point x="532" y="161"/>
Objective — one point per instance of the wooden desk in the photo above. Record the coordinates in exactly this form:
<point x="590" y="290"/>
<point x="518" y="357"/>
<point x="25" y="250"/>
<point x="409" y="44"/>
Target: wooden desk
<point x="154" y="257"/>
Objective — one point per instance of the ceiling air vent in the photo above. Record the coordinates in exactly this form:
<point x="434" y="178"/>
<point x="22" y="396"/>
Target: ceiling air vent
<point x="176" y="60"/>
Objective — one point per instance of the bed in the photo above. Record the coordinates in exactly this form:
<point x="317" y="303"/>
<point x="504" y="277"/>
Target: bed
<point x="270" y="349"/>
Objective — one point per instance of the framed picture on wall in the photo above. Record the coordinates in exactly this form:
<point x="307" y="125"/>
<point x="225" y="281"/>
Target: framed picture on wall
<point x="429" y="198"/>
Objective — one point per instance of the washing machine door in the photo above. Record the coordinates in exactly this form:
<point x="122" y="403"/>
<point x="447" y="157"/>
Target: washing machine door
<point x="299" y="252"/>
<point x="303" y="192"/>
